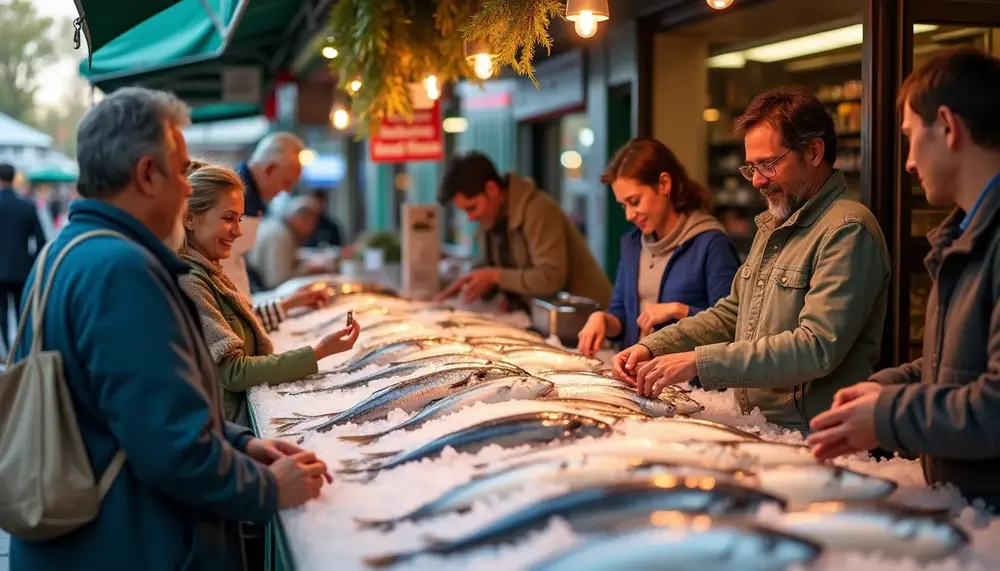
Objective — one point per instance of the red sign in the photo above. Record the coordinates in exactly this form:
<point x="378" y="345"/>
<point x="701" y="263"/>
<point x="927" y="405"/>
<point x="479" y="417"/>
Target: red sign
<point x="401" y="141"/>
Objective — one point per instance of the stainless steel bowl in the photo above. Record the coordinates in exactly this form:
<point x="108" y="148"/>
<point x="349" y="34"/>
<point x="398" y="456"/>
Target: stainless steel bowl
<point x="563" y="316"/>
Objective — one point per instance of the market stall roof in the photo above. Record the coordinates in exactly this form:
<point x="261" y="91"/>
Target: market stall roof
<point x="51" y="173"/>
<point x="218" y="53"/>
<point x="104" y="20"/>
<point x="13" y="133"/>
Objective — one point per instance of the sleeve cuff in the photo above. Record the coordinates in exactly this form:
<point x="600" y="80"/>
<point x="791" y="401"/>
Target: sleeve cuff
<point x="885" y="414"/>
<point x="705" y="363"/>
<point x="890" y="376"/>
<point x="693" y="310"/>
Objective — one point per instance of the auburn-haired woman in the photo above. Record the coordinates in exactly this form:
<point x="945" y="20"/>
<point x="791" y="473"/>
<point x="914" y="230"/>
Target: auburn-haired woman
<point x="678" y="260"/>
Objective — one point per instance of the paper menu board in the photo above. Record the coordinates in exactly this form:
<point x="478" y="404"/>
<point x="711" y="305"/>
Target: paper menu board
<point x="421" y="250"/>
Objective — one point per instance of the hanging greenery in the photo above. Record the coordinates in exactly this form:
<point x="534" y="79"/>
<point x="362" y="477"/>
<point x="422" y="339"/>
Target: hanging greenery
<point x="389" y="45"/>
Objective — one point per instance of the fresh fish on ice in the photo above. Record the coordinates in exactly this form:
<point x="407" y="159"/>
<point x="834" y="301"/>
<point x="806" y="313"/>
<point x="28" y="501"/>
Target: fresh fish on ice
<point x="603" y="508"/>
<point x="534" y="359"/>
<point x="573" y="473"/>
<point x="410" y="395"/>
<point x="616" y="396"/>
<point x="388" y="352"/>
<point x="775" y="453"/>
<point x="498" y="330"/>
<point x="338" y="320"/>
<point x="681" y="428"/>
<point x="601" y="407"/>
<point x="890" y="530"/>
<point x="532" y="428"/>
<point x="696" y="544"/>
<point x="684" y="404"/>
<point x="499" y="390"/>
<point x="820" y="483"/>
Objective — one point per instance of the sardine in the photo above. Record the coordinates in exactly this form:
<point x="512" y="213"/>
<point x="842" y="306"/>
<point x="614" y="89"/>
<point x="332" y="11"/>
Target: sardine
<point x="499" y="390"/>
<point x="890" y="530"/>
<point x="434" y="362"/>
<point x="616" y="396"/>
<point x="684" y="404"/>
<point x="603" y="508"/>
<point x="388" y="352"/>
<point x="775" y="453"/>
<point x="410" y="395"/>
<point x="532" y="428"/>
<point x="820" y="483"/>
<point x="601" y="407"/>
<point x="534" y="359"/>
<point x="696" y="543"/>
<point x="498" y="330"/>
<point x="573" y="473"/>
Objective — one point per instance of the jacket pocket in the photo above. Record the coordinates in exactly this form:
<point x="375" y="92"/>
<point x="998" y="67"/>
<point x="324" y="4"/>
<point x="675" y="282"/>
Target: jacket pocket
<point x="786" y="298"/>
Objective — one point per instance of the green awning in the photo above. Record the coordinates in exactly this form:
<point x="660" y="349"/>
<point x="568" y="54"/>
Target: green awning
<point x="222" y="111"/>
<point x="50" y="174"/>
<point x="105" y="20"/>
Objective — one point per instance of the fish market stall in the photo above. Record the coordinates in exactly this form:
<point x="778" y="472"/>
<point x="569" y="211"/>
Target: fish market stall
<point x="460" y="440"/>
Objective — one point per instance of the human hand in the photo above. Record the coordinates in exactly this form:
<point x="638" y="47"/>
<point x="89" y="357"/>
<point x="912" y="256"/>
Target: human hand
<point x="625" y="365"/>
<point x="658" y="313"/>
<point x="846" y="429"/>
<point x="267" y="451"/>
<point x="300" y="478"/>
<point x="591" y="337"/>
<point x="306" y="296"/>
<point x="848" y="394"/>
<point x="665" y="370"/>
<point x="338" y="341"/>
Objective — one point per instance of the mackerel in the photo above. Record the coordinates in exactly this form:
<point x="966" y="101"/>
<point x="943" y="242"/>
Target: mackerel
<point x="536" y="358"/>
<point x="820" y="483"/>
<point x="616" y="396"/>
<point x="681" y="429"/>
<point x="684" y="404"/>
<point x="388" y="352"/>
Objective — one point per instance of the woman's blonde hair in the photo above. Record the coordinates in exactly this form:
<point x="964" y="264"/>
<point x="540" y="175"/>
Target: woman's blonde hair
<point x="208" y="182"/>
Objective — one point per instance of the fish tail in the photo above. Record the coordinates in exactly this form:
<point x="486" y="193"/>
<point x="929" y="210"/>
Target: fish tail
<point x="380" y="561"/>
<point x="361" y="438"/>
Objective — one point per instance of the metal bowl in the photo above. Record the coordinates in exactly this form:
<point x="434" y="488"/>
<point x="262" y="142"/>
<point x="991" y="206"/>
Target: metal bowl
<point x="563" y="316"/>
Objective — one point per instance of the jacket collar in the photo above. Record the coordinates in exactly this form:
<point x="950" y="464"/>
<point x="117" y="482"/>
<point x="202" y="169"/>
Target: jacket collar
<point x="519" y="192"/>
<point x="95" y="212"/>
<point x="948" y="237"/>
<point x="7" y="191"/>
<point x="813" y="208"/>
<point x="253" y="205"/>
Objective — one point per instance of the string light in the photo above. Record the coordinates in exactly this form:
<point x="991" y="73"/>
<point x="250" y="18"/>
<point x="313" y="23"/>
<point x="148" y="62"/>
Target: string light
<point x="354" y="87"/>
<point x="340" y="118"/>
<point x="433" y="90"/>
<point x="481" y="58"/>
<point x="330" y="52"/>
<point x="719" y="4"/>
<point x="586" y="14"/>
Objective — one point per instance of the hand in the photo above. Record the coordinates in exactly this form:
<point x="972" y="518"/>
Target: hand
<point x="846" y="429"/>
<point x="665" y="370"/>
<point x="306" y="296"/>
<point x="848" y="394"/>
<point x="657" y="313"/>
<point x="591" y="337"/>
<point x="267" y="450"/>
<point x="473" y="285"/>
<point x="624" y="365"/>
<point x="300" y="478"/>
<point x="338" y="341"/>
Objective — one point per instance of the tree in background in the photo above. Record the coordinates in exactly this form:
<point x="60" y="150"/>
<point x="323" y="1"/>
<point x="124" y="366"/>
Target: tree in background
<point x="26" y="46"/>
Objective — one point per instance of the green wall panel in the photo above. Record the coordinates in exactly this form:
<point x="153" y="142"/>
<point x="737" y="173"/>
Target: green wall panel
<point x="619" y="133"/>
<point x="379" y="186"/>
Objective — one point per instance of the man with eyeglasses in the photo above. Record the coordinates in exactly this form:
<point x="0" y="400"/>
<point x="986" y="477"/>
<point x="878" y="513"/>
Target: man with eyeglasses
<point x="805" y="314"/>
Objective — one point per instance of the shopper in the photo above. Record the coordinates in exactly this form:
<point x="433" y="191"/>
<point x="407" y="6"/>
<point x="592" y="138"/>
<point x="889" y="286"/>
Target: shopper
<point x="944" y="406"/>
<point x="141" y="379"/>
<point x="21" y="238"/>
<point x="805" y="314"/>
<point x="239" y="345"/>
<point x="678" y="260"/>
<point x="275" y="256"/>
<point x="531" y="247"/>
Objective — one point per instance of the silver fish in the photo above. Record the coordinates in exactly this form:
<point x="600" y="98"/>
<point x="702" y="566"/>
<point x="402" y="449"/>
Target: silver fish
<point x="534" y="359"/>
<point x="617" y="396"/>
<point x="775" y="453"/>
<point x="389" y="352"/>
<point x="499" y="390"/>
<point x="684" y="404"/>
<point x="533" y="428"/>
<point x="498" y="330"/>
<point x="820" y="483"/>
<point x="693" y="544"/>
<point x="602" y="508"/>
<point x="601" y="407"/>
<point x="890" y="530"/>
<point x="572" y="473"/>
<point x="410" y="395"/>
<point x="679" y="428"/>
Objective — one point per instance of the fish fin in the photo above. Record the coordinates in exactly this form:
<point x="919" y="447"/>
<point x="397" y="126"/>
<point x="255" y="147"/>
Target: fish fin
<point x="380" y="524"/>
<point x="379" y="561"/>
<point x="357" y="470"/>
<point x="456" y="385"/>
<point x="374" y="455"/>
<point x="433" y="540"/>
<point x="361" y="438"/>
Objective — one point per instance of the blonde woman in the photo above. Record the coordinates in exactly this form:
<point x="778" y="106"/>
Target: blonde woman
<point x="235" y="336"/>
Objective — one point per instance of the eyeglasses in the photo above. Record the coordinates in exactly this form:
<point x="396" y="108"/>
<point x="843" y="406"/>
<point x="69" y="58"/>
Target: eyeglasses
<point x="766" y="170"/>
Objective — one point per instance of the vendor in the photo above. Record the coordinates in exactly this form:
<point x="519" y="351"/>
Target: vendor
<point x="531" y="248"/>
<point x="275" y="254"/>
<point x="236" y="338"/>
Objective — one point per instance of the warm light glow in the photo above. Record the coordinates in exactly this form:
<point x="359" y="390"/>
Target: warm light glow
<point x="586" y="14"/>
<point x="307" y="157"/>
<point x="483" y="66"/>
<point x="571" y="160"/>
<point x="330" y="52"/>
<point x="354" y="86"/>
<point x="340" y="118"/>
<point x="586" y="137"/>
<point x="711" y="115"/>
<point x="433" y="90"/>
<point x="720" y="4"/>
<point x="586" y="25"/>
<point x="455" y="125"/>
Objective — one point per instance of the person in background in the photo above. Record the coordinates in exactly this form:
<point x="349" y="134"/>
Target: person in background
<point x="677" y="262"/>
<point x="21" y="238"/>
<point x="945" y="406"/>
<point x="140" y="376"/>
<point x="805" y="314"/>
<point x="238" y="343"/>
<point x="532" y="248"/>
<point x="327" y="231"/>
<point x="275" y="257"/>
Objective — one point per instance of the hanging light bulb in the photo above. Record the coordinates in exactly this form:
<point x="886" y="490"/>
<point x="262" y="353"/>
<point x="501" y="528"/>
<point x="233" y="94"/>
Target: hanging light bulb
<point x="431" y="84"/>
<point x="480" y="56"/>
<point x="340" y="118"/>
<point x="719" y="4"/>
<point x="330" y="52"/>
<point x="354" y="86"/>
<point x="586" y="14"/>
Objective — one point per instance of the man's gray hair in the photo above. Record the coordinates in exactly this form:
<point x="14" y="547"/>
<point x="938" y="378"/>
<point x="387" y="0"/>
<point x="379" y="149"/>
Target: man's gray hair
<point x="277" y="147"/>
<point x="115" y="134"/>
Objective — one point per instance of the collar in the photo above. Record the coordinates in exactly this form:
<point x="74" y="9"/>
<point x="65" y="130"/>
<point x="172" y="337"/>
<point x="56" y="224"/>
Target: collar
<point x="519" y="193"/>
<point x="253" y="205"/>
<point x="94" y="212"/>
<point x="809" y="212"/>
<point x="967" y="219"/>
<point x="955" y="235"/>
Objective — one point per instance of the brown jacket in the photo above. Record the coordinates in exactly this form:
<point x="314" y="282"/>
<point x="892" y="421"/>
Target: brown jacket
<point x="548" y="252"/>
<point x="946" y="405"/>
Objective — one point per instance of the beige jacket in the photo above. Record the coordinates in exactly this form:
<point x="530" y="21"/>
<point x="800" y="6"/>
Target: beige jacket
<point x="805" y="314"/>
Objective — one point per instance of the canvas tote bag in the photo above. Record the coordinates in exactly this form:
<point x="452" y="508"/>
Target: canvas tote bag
<point x="47" y="485"/>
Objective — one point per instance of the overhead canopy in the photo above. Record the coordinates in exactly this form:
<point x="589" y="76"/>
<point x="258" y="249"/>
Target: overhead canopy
<point x="219" y="53"/>
<point x="105" y="20"/>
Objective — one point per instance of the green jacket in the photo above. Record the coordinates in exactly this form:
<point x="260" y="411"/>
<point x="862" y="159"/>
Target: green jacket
<point x="805" y="315"/>
<point x="238" y="342"/>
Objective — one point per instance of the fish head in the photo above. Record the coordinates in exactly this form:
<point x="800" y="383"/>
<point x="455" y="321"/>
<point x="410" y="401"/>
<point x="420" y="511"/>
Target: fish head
<point x="928" y="529"/>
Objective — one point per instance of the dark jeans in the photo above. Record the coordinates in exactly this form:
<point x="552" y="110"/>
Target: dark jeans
<point x="13" y="290"/>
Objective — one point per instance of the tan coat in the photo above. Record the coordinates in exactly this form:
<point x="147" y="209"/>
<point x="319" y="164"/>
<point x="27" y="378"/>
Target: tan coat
<point x="550" y="254"/>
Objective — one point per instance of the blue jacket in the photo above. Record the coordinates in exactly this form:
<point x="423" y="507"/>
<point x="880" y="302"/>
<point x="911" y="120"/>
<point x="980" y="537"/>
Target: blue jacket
<point x="700" y="272"/>
<point x="18" y="222"/>
<point x="142" y="379"/>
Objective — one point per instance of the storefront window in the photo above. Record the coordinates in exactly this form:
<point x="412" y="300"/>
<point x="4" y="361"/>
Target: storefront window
<point x="575" y="142"/>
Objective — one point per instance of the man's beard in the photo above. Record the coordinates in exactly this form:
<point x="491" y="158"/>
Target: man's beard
<point x="175" y="241"/>
<point x="782" y="204"/>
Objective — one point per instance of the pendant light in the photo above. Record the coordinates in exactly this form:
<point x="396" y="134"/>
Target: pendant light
<point x="480" y="56"/>
<point x="720" y="4"/>
<point x="586" y="14"/>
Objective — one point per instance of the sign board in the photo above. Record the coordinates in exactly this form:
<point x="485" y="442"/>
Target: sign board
<point x="242" y="84"/>
<point x="421" y="250"/>
<point x="401" y="141"/>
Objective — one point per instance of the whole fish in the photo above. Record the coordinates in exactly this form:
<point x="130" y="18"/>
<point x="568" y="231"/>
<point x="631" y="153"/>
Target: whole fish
<point x="538" y="359"/>
<point x="680" y="429"/>
<point x="498" y="340"/>
<point x="499" y="390"/>
<point x="890" y="530"/>
<point x="532" y="428"/>
<point x="388" y="352"/>
<point x="498" y="330"/>
<point x="695" y="544"/>
<point x="616" y="396"/>
<point x="573" y="473"/>
<point x="410" y="395"/>
<point x="821" y="482"/>
<point x="601" y="407"/>
<point x="684" y="404"/>
<point x="337" y="320"/>
<point x="603" y="508"/>
<point x="775" y="453"/>
<point x="434" y="362"/>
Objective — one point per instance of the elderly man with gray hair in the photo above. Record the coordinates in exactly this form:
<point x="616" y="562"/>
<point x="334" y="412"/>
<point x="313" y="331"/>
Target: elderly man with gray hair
<point x="290" y="223"/>
<point x="143" y="385"/>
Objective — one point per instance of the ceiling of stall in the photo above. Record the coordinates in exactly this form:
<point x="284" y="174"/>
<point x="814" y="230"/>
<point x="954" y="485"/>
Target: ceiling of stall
<point x="774" y="20"/>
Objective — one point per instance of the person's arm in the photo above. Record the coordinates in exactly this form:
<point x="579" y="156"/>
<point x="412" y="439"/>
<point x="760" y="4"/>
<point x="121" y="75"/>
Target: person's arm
<point x="549" y="258"/>
<point x="147" y="390"/>
<point x="905" y="374"/>
<point x="616" y="310"/>
<point x="721" y="264"/>
<point x="849" y="275"/>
